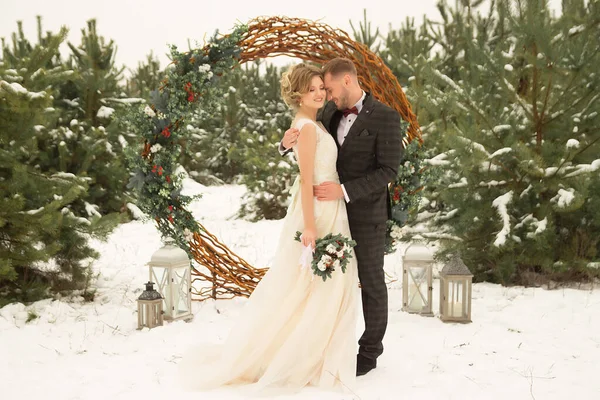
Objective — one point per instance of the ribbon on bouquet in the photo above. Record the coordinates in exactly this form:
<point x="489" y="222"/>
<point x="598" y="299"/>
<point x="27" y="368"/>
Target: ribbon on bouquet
<point x="306" y="256"/>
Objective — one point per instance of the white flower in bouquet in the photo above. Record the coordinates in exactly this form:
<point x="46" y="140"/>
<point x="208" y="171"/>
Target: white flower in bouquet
<point x="149" y="111"/>
<point x="331" y="249"/>
<point x="321" y="266"/>
<point x="204" y="68"/>
<point x="155" y="148"/>
<point x="340" y="253"/>
<point x="336" y="264"/>
<point x="327" y="259"/>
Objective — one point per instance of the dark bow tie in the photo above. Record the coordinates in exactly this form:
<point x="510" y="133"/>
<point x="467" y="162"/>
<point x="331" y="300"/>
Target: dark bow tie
<point x="349" y="111"/>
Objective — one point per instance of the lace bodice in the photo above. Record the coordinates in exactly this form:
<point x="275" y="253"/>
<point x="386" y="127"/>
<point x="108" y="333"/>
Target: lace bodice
<point x="325" y="154"/>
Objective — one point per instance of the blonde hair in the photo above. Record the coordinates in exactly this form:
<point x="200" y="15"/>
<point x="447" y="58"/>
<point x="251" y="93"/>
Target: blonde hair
<point x="296" y="81"/>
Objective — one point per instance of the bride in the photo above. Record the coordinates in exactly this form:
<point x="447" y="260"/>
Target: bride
<point x="294" y="331"/>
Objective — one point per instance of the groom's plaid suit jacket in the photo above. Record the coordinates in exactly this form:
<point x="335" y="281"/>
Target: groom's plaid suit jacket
<point x="369" y="158"/>
<point x="367" y="161"/>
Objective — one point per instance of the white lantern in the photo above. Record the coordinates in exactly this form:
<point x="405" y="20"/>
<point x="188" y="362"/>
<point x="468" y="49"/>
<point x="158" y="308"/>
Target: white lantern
<point x="170" y="269"/>
<point x="417" y="286"/>
<point x="456" y="283"/>
<point x="150" y="308"/>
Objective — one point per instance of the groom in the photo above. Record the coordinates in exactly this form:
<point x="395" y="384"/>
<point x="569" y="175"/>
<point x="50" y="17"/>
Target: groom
<point x="368" y="136"/>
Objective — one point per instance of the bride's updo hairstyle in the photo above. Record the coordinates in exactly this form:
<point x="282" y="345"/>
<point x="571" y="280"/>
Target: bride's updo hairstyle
<point x="295" y="82"/>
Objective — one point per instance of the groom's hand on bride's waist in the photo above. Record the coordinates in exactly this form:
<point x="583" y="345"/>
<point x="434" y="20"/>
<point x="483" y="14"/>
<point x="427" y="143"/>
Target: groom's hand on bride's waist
<point x="328" y="191"/>
<point x="290" y="138"/>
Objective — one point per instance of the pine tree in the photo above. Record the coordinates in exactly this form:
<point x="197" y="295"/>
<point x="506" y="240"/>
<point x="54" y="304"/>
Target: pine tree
<point x="517" y="127"/>
<point x="145" y="78"/>
<point x="42" y="243"/>
<point x="365" y="35"/>
<point x="80" y="138"/>
<point x="268" y="176"/>
<point x="234" y="140"/>
<point x="93" y="98"/>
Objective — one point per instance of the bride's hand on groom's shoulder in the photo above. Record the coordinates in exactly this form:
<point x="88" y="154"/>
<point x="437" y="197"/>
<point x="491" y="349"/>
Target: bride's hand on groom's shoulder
<point x="290" y="139"/>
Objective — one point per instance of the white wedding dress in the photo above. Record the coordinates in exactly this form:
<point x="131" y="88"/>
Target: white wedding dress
<point x="294" y="331"/>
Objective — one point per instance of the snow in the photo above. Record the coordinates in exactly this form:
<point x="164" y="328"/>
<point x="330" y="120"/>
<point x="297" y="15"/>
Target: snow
<point x="576" y="29"/>
<point x="501" y="128"/>
<point x="130" y="100"/>
<point x="105" y="112"/>
<point x="122" y="141"/>
<point x="439" y="160"/>
<point x="72" y="103"/>
<point x="523" y="343"/>
<point x="33" y="212"/>
<point x="475" y="145"/>
<point x="500" y="203"/>
<point x="585" y="168"/>
<point x="64" y="175"/>
<point x="462" y="183"/>
<point x="17" y="89"/>
<point x="135" y="211"/>
<point x="564" y="197"/>
<point x="92" y="210"/>
<point x="541" y="226"/>
<point x="492" y="183"/>
<point x="448" y="81"/>
<point x="572" y="144"/>
<point x="500" y="152"/>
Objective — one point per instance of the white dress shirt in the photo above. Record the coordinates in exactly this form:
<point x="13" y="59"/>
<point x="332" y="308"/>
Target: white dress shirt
<point x="344" y="128"/>
<point x="346" y="122"/>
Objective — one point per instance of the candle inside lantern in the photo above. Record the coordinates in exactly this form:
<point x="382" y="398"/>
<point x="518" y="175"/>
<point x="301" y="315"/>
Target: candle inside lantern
<point x="456" y="309"/>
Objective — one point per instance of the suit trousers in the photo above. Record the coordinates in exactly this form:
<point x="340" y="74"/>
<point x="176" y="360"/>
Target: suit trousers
<point x="370" y="250"/>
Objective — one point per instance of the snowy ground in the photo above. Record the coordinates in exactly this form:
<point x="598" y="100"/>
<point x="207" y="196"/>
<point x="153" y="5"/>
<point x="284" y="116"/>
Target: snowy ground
<point x="522" y="344"/>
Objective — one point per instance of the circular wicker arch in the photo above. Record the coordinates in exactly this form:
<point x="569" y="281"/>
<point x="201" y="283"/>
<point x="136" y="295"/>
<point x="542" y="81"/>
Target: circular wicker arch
<point x="314" y="42"/>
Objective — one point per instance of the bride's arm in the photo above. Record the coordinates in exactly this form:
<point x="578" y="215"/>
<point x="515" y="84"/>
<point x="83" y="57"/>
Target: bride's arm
<point x="307" y="146"/>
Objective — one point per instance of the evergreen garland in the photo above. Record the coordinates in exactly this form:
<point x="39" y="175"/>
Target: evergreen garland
<point x="190" y="83"/>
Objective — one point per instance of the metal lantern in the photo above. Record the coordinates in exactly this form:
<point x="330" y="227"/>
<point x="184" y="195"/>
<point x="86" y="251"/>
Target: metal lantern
<point x="417" y="285"/>
<point x="455" y="291"/>
<point x="170" y="268"/>
<point x="150" y="308"/>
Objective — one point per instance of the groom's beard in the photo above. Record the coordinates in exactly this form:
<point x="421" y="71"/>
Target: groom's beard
<point x="342" y="103"/>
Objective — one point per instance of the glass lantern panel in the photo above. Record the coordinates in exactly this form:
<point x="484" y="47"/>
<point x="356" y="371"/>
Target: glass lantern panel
<point x="417" y="287"/>
<point x="160" y="276"/>
<point x="455" y="299"/>
<point x="180" y="288"/>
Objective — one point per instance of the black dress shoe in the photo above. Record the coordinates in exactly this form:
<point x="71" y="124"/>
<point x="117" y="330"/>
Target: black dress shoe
<point x="364" y="364"/>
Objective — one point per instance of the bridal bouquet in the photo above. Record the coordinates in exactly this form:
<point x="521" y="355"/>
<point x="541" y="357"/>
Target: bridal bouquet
<point x="331" y="252"/>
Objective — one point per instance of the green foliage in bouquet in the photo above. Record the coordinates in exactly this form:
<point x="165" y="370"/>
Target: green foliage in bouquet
<point x="331" y="251"/>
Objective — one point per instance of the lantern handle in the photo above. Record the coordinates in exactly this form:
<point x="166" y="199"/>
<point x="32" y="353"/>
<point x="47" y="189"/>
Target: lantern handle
<point x="411" y="244"/>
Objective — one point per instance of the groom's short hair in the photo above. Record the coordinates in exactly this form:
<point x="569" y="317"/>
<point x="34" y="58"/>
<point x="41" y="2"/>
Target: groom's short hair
<point x="339" y="65"/>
